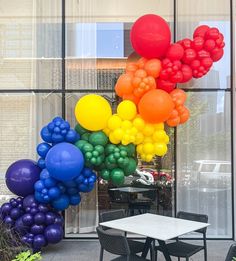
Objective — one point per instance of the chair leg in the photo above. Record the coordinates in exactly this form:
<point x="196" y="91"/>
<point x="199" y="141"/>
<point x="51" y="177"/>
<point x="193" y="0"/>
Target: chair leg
<point x="178" y="258"/>
<point x="187" y="258"/>
<point x="205" y="254"/>
<point x="101" y="254"/>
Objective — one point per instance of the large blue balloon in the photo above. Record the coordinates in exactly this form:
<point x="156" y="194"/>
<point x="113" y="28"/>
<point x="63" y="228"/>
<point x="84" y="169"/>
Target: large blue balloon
<point x="64" y="161"/>
<point x="21" y="176"/>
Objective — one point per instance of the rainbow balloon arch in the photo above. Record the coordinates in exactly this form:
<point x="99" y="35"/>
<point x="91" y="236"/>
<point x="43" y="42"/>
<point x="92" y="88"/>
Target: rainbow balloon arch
<point x="105" y="144"/>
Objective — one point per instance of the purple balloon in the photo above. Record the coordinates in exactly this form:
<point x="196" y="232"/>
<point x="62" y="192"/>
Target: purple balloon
<point x="39" y="242"/>
<point x="21" y="227"/>
<point x="37" y="229"/>
<point x="50" y="218"/>
<point x="28" y="219"/>
<point x="28" y="201"/>
<point x="39" y="218"/>
<point x="6" y="208"/>
<point x="34" y="211"/>
<point x="21" y="176"/>
<point x="53" y="234"/>
<point x="15" y="213"/>
<point x="13" y="202"/>
<point x="43" y="208"/>
<point x="59" y="220"/>
<point x="9" y="221"/>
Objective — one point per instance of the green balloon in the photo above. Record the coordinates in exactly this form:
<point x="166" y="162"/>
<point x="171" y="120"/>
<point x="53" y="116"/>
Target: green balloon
<point x="116" y="149"/>
<point x="93" y="160"/>
<point x="99" y="149"/>
<point x="79" y="144"/>
<point x="87" y="147"/>
<point x="123" y="153"/>
<point x="117" y="177"/>
<point x="85" y="136"/>
<point x="120" y="160"/>
<point x="95" y="153"/>
<point x="105" y="174"/>
<point x="116" y="155"/>
<point x="129" y="149"/>
<point x="109" y="149"/>
<point x="131" y="167"/>
<point x="111" y="158"/>
<point x="88" y="155"/>
<point x="98" y="138"/>
<point x="109" y="165"/>
<point x="99" y="160"/>
<point x="79" y="129"/>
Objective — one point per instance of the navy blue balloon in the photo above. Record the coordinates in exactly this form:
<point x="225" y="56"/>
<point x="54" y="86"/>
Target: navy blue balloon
<point x="61" y="187"/>
<point x="43" y="208"/>
<point x="53" y="234"/>
<point x="6" y="208"/>
<point x="37" y="229"/>
<point x="28" y="201"/>
<point x="87" y="172"/>
<point x="43" y="149"/>
<point x="61" y="203"/>
<point x="39" y="218"/>
<point x="39" y="197"/>
<point x="56" y="138"/>
<point x="75" y="200"/>
<point x="54" y="193"/>
<point x="46" y="135"/>
<point x="79" y="179"/>
<point x="21" y="227"/>
<point x="59" y="220"/>
<point x="15" y="213"/>
<point x="50" y="218"/>
<point x="64" y="161"/>
<point x="27" y="219"/>
<point x="41" y="163"/>
<point x="9" y="221"/>
<point x="39" y="241"/>
<point x="70" y="184"/>
<point x="72" y="191"/>
<point x="34" y="211"/>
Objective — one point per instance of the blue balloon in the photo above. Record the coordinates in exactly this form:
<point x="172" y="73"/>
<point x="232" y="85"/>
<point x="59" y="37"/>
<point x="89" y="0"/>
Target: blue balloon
<point x="62" y="203"/>
<point x="79" y="179"/>
<point x="51" y="126"/>
<point x="61" y="187"/>
<point x="39" y="186"/>
<point x="57" y="130"/>
<point x="75" y="199"/>
<point x="50" y="182"/>
<point x="64" y="161"/>
<point x="39" y="197"/>
<point x="46" y="135"/>
<point x="57" y="119"/>
<point x="44" y="174"/>
<point x="67" y="125"/>
<point x="41" y="163"/>
<point x="71" y="136"/>
<point x="43" y="149"/>
<point x="70" y="184"/>
<point x="56" y="138"/>
<point x="54" y="193"/>
<point x="72" y="191"/>
<point x="83" y="188"/>
<point x="87" y="172"/>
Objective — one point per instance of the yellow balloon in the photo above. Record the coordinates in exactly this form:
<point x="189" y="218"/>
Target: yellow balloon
<point x="148" y="130"/>
<point x="114" y="122"/>
<point x="92" y="112"/>
<point x="159" y="126"/>
<point x="127" y="110"/>
<point x="138" y="123"/>
<point x="118" y="133"/>
<point x="166" y="139"/>
<point x="147" y="140"/>
<point x="138" y="138"/>
<point x="159" y="136"/>
<point x="113" y="139"/>
<point x="148" y="148"/>
<point x="148" y="157"/>
<point x="126" y="125"/>
<point x="106" y="131"/>
<point x="160" y="149"/>
<point x="139" y="148"/>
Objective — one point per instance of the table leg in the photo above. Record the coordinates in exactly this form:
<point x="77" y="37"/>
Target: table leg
<point x="164" y="250"/>
<point x="147" y="246"/>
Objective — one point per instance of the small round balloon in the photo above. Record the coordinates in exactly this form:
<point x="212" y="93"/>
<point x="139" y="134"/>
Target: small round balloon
<point x="150" y="36"/>
<point x="92" y="112"/>
<point x="64" y="161"/>
<point x="21" y="176"/>
<point x="53" y="234"/>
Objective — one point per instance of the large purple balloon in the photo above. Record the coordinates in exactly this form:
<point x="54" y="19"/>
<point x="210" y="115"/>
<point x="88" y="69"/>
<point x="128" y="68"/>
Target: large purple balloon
<point x="21" y="176"/>
<point x="53" y="234"/>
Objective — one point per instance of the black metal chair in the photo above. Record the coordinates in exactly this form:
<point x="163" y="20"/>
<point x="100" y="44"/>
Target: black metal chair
<point x="135" y="246"/>
<point x="185" y="250"/>
<point x="231" y="253"/>
<point x="116" y="244"/>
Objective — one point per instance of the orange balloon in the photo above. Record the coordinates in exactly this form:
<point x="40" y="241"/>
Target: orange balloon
<point x="173" y="122"/>
<point x="141" y="62"/>
<point x="184" y="116"/>
<point x="156" y="106"/>
<point x="124" y="85"/>
<point x="178" y="96"/>
<point x="131" y="68"/>
<point x="153" y="67"/>
<point x="133" y="58"/>
<point x="131" y="97"/>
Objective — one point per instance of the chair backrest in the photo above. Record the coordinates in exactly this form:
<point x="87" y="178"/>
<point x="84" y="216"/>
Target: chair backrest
<point x="112" y="215"/>
<point x="114" y="243"/>
<point x="194" y="217"/>
<point x="231" y="253"/>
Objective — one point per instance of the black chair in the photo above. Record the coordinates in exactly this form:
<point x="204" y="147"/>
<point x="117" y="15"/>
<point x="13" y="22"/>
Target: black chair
<point x="181" y="249"/>
<point x="135" y="246"/>
<point x="116" y="244"/>
<point x="231" y="253"/>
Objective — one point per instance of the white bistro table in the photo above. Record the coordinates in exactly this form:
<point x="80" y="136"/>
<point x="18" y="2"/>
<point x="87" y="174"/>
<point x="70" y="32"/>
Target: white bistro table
<point x="156" y="227"/>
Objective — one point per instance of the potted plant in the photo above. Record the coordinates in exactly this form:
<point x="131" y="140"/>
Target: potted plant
<point x="28" y="256"/>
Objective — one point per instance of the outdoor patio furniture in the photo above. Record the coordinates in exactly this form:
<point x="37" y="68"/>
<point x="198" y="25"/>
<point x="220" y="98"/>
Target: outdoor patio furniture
<point x="182" y="249"/>
<point x="231" y="253"/>
<point x="116" y="244"/>
<point x="135" y="246"/>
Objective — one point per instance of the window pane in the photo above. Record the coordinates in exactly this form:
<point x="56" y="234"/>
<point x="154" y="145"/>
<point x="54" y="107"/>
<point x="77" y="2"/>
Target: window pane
<point x="21" y="118"/>
<point x="204" y="161"/>
<point x="215" y="14"/>
<point x="30" y="44"/>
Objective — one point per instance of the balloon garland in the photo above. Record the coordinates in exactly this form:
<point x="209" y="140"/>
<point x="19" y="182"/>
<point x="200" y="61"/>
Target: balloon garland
<point x="107" y="144"/>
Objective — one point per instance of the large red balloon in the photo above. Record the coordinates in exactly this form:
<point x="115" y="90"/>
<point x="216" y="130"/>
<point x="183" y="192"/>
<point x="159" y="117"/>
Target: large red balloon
<point x="150" y="36"/>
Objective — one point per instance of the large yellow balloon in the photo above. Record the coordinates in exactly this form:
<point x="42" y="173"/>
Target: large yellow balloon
<point x="127" y="110"/>
<point x="92" y="112"/>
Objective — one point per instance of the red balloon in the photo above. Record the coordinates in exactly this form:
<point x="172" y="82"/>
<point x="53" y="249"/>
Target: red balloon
<point x="203" y="54"/>
<point x="195" y="64"/>
<point x="216" y="54"/>
<point x="189" y="55"/>
<point x="165" y="85"/>
<point x="150" y="36"/>
<point x="175" y="52"/>
<point x="212" y="33"/>
<point x="201" y="30"/>
<point x="197" y="43"/>
<point x="186" y="43"/>
<point x="187" y="73"/>
<point x="207" y="62"/>
<point x="209" y="44"/>
<point x="177" y="77"/>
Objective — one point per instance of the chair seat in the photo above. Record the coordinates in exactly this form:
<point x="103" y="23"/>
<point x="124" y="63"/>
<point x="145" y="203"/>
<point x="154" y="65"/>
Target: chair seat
<point x="182" y="249"/>
<point x="131" y="258"/>
<point x="136" y="246"/>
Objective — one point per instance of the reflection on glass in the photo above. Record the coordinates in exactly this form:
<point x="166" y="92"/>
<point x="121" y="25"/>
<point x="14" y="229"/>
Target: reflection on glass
<point x="204" y="161"/>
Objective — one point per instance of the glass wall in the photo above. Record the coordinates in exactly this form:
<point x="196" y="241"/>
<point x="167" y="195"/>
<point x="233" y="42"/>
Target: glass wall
<point x="44" y="70"/>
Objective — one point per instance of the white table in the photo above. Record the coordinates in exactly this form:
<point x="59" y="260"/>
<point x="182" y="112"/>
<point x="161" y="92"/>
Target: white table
<point x="132" y="189"/>
<point x="156" y="227"/>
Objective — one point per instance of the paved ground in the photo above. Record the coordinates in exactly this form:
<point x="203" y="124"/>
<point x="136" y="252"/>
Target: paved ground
<point x="89" y="251"/>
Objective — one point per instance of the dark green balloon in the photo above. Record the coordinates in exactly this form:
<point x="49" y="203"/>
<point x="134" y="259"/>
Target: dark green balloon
<point x="109" y="149"/>
<point x="109" y="165"/>
<point x="93" y="160"/>
<point x="131" y="167"/>
<point x="117" y="177"/>
<point x="95" y="153"/>
<point x="116" y="149"/>
<point x="85" y="136"/>
<point x="88" y="155"/>
<point x="105" y="174"/>
<point x="99" y="160"/>
<point x="116" y="155"/>
<point x="98" y="138"/>
<point x="99" y="148"/>
<point x="130" y="149"/>
<point x="79" y="144"/>
<point x="111" y="158"/>
<point x="79" y="129"/>
<point x="123" y="153"/>
<point x="87" y="147"/>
